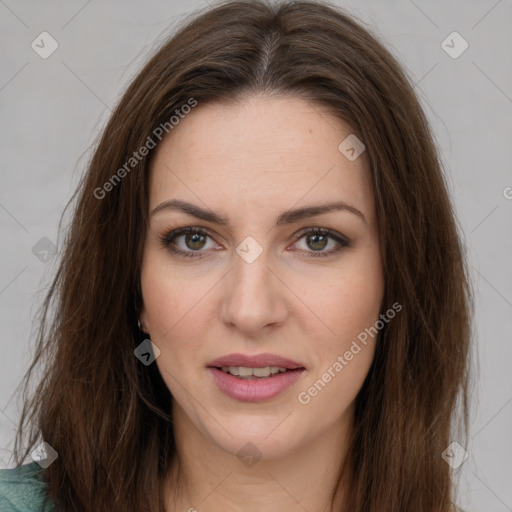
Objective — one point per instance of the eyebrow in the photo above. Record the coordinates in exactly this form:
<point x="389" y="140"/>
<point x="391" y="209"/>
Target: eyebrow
<point x="286" y="217"/>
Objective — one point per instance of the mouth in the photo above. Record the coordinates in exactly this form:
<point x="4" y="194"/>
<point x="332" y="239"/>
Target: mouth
<point x="254" y="378"/>
<point x="261" y="362"/>
<point x="248" y="373"/>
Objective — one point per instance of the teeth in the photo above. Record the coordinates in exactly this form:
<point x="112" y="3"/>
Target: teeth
<point x="244" y="372"/>
<point x="261" y="372"/>
<point x="248" y="373"/>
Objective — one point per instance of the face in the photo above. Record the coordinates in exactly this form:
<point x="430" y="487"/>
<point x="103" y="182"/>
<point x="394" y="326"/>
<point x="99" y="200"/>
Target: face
<point x="258" y="275"/>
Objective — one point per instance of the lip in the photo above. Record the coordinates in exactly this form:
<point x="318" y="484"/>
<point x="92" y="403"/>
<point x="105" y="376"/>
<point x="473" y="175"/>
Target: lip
<point x="254" y="361"/>
<point x="254" y="390"/>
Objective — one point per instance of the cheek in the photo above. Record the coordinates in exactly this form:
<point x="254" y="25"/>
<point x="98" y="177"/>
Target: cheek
<point x="160" y="298"/>
<point x="356" y="305"/>
<point x="167" y="295"/>
<point x="349" y="306"/>
<point x="346" y="299"/>
<point x="345" y="354"/>
<point x="175" y="311"/>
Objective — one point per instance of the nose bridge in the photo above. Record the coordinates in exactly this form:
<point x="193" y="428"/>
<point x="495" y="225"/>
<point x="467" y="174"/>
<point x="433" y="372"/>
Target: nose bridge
<point x="251" y="299"/>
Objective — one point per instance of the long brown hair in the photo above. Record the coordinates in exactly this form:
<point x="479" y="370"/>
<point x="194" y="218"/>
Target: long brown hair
<point x="108" y="416"/>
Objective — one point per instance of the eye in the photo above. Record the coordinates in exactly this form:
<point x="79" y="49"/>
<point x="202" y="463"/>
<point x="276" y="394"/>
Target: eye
<point x="318" y="239"/>
<point x="195" y="240"/>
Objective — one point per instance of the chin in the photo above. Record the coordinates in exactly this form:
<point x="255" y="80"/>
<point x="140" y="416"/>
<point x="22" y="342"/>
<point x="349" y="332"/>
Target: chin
<point x="258" y="438"/>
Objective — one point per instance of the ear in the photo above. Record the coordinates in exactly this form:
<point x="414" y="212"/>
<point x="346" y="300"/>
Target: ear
<point x="143" y="317"/>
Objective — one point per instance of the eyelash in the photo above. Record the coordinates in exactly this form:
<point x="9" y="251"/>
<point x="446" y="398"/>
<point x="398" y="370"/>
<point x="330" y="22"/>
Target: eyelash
<point x="167" y="239"/>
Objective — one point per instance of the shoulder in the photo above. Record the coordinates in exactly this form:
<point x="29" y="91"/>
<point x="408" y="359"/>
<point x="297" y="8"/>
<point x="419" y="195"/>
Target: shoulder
<point x="22" y="489"/>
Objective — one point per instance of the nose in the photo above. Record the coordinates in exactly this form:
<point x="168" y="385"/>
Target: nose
<point x="254" y="295"/>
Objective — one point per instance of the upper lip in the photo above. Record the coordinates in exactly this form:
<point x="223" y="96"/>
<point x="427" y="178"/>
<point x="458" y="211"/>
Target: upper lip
<point x="254" y="361"/>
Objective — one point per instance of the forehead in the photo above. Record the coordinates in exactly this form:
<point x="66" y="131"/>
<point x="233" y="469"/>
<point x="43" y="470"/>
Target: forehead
<point x="266" y="150"/>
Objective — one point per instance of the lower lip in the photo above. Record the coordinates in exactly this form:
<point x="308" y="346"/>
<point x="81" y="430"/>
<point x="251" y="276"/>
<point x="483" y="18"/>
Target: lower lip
<point x="254" y="390"/>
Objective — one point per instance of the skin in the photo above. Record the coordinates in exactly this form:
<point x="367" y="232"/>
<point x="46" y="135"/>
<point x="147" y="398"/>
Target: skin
<point x="249" y="161"/>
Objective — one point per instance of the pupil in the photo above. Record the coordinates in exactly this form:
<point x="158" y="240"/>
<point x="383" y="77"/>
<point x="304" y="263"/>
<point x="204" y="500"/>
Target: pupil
<point x="196" y="238"/>
<point x="316" y="237"/>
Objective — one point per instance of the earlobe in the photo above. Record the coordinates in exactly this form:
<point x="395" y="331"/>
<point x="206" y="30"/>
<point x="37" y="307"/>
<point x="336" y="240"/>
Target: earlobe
<point x="142" y="322"/>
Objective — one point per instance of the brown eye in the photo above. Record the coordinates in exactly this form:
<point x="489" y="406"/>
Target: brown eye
<point x="194" y="241"/>
<point x="317" y="239"/>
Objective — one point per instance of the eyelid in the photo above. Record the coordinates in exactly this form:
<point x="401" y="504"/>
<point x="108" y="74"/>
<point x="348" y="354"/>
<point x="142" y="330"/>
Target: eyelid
<point x="325" y="231"/>
<point x="170" y="235"/>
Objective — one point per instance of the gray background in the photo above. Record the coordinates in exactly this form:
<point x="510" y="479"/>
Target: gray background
<point x="53" y="109"/>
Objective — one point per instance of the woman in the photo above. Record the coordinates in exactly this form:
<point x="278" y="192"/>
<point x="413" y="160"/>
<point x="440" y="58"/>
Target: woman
<point x="262" y="302"/>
